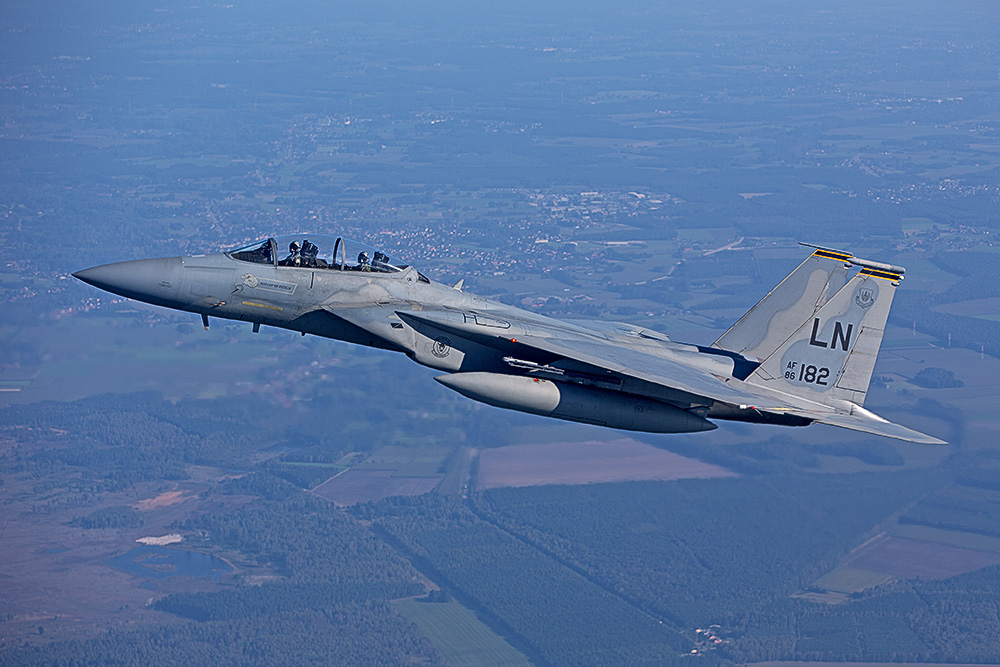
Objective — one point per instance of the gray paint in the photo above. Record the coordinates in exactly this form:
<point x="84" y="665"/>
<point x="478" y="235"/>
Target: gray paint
<point x="602" y="373"/>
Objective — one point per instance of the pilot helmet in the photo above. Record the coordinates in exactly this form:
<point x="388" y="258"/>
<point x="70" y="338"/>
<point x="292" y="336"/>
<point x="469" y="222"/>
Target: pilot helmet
<point x="363" y="258"/>
<point x="294" y="246"/>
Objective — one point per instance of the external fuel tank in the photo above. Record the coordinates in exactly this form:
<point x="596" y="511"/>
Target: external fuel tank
<point x="573" y="402"/>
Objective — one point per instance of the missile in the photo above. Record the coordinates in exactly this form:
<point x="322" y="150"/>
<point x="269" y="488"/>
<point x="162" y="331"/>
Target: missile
<point x="572" y="402"/>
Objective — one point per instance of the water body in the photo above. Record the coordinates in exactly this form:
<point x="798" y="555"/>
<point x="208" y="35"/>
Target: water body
<point x="155" y="562"/>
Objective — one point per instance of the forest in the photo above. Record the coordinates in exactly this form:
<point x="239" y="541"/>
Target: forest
<point x="595" y="574"/>
<point x="730" y="559"/>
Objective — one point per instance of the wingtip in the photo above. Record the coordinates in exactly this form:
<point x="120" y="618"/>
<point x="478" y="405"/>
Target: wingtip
<point x="868" y="422"/>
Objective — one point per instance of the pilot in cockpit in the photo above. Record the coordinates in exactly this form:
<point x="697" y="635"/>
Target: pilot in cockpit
<point x="310" y="252"/>
<point x="381" y="262"/>
<point x="294" y="255"/>
<point x="363" y="262"/>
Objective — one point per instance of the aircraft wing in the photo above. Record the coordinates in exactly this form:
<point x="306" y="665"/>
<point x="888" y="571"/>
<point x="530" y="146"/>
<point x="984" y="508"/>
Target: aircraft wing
<point x="649" y="367"/>
<point x="867" y="424"/>
<point x="675" y="375"/>
<point x="576" y="344"/>
<point x="698" y="383"/>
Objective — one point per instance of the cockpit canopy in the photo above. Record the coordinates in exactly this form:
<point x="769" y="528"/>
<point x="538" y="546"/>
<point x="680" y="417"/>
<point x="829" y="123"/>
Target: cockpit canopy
<point x="318" y="251"/>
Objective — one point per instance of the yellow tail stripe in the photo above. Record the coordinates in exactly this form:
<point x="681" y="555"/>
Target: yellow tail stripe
<point x="880" y="274"/>
<point x="829" y="254"/>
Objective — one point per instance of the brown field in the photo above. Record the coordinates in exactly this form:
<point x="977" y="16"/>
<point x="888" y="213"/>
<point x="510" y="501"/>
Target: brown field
<point x="910" y="559"/>
<point x="359" y="486"/>
<point x="587" y="463"/>
<point x="162" y="500"/>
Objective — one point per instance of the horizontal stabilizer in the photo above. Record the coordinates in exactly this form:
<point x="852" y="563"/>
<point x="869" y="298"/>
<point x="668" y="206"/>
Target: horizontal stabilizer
<point x="873" y="424"/>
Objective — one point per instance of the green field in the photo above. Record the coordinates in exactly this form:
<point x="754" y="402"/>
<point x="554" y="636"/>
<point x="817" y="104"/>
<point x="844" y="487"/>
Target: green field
<point x="849" y="580"/>
<point x="917" y="224"/>
<point x="13" y="385"/>
<point x="459" y="635"/>
<point x="412" y="460"/>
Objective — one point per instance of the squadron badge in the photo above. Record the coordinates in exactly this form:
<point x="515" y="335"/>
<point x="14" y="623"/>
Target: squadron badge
<point x="865" y="297"/>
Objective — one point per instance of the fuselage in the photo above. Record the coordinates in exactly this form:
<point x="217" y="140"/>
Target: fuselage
<point x="804" y="353"/>
<point x="399" y="310"/>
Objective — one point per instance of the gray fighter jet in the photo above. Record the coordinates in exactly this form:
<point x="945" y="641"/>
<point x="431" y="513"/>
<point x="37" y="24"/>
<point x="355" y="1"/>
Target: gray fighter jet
<point x="804" y="354"/>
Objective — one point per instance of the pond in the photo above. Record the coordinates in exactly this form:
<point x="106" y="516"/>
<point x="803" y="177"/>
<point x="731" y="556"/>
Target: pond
<point x="155" y="562"/>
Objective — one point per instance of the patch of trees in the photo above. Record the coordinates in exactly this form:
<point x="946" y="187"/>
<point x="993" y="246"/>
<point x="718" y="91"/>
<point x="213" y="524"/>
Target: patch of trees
<point x="342" y="633"/>
<point x="111" y="517"/>
<point x="306" y="538"/>
<point x="112" y="442"/>
<point x="960" y="616"/>
<point x="936" y="378"/>
<point x="439" y="595"/>
<point x="952" y="620"/>
<point x="980" y="273"/>
<point x="259" y="483"/>
<point x="115" y="441"/>
<point x="302" y="476"/>
<point x="277" y="598"/>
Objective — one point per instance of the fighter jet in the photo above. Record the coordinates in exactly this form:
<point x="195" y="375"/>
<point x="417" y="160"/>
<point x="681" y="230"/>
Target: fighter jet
<point x="804" y="354"/>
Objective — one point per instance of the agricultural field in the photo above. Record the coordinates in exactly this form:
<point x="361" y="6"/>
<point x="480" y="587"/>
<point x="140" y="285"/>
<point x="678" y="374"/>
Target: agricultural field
<point x="463" y="639"/>
<point x="974" y="541"/>
<point x="911" y="559"/>
<point x="586" y="463"/>
<point x="361" y="486"/>
<point x="987" y="309"/>
<point x="887" y="557"/>
<point x="845" y="580"/>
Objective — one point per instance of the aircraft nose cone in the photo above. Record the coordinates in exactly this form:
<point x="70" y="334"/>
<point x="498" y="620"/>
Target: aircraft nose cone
<point x="150" y="280"/>
<point x="106" y="277"/>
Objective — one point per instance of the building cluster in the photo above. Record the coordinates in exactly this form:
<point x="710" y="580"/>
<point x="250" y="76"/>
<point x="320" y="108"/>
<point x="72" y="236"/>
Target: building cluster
<point x="707" y="639"/>
<point x="590" y="208"/>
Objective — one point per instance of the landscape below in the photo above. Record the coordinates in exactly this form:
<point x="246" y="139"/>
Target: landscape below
<point x="173" y="495"/>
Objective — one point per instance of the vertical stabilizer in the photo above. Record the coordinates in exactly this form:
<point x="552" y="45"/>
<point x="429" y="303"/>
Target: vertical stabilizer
<point x="796" y="298"/>
<point x="830" y="358"/>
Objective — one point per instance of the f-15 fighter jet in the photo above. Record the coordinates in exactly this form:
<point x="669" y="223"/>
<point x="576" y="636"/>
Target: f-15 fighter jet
<point x="804" y="354"/>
